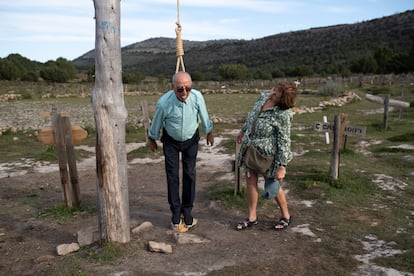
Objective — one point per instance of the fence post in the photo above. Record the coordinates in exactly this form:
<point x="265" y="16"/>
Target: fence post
<point x="70" y="153"/>
<point x="237" y="189"/>
<point x="335" y="151"/>
<point x="58" y="133"/>
<point x="402" y="94"/>
<point x="145" y="118"/>
<point x="342" y="136"/>
<point x="386" y="108"/>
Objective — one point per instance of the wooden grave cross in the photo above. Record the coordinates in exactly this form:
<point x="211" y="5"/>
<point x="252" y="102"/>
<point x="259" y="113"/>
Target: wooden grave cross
<point x="340" y="131"/>
<point x="63" y="135"/>
<point x="387" y="101"/>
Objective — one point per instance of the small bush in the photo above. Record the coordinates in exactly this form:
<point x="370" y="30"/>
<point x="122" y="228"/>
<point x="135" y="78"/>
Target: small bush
<point x="332" y="89"/>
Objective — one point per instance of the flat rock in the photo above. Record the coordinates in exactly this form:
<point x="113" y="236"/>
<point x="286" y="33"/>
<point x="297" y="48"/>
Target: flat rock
<point x="65" y="249"/>
<point x="187" y="238"/>
<point x="159" y="247"/>
<point x="87" y="235"/>
<point x="145" y="226"/>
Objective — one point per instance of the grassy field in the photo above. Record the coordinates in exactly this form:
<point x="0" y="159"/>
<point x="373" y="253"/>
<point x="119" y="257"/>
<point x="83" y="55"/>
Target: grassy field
<point x="361" y="206"/>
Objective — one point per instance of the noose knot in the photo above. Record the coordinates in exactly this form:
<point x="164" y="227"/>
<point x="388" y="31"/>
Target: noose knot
<point x="179" y="41"/>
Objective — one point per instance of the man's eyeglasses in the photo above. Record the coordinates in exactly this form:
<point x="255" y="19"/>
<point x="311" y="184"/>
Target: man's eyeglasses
<point x="181" y="89"/>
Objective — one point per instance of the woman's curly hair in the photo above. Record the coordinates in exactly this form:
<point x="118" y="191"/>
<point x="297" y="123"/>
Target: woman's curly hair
<point x="288" y="95"/>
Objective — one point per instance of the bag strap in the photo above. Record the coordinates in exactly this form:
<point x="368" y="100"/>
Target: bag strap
<point x="253" y="128"/>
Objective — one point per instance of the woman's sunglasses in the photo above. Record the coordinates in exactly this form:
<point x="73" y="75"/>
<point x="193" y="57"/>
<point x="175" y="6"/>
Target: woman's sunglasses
<point x="181" y="89"/>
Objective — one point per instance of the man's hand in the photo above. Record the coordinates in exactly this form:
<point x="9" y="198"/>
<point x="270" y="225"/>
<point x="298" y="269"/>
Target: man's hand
<point x="152" y="144"/>
<point x="210" y="138"/>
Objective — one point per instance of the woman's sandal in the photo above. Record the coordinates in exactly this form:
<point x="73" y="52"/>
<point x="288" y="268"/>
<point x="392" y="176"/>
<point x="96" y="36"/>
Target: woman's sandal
<point x="243" y="225"/>
<point x="283" y="223"/>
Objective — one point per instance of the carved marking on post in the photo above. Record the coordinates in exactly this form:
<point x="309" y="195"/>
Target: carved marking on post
<point x="108" y="27"/>
<point x="349" y="130"/>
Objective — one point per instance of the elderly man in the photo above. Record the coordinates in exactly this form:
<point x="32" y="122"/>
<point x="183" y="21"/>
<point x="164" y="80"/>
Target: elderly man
<point x="178" y="113"/>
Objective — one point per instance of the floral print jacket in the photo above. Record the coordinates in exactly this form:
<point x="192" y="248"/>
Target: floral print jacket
<point x="271" y="135"/>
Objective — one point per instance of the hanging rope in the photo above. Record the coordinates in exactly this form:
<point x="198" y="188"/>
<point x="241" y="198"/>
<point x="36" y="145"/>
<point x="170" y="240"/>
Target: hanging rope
<point x="179" y="42"/>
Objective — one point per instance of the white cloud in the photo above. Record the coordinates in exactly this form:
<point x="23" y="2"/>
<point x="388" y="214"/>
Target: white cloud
<point x="43" y="25"/>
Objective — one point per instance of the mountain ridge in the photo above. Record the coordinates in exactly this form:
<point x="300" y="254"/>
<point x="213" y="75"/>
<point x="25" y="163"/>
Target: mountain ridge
<point x="320" y="49"/>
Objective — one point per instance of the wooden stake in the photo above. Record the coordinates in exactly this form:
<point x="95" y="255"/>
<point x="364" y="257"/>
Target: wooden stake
<point x="145" y="118"/>
<point x="61" y="151"/>
<point x="70" y="152"/>
<point x="237" y="188"/>
<point x="335" y="151"/>
<point x="386" y="108"/>
<point x="343" y="118"/>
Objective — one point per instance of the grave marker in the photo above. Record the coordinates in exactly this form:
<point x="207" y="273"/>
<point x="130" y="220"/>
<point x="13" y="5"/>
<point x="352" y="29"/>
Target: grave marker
<point x="349" y="130"/>
<point x="387" y="101"/>
<point x="63" y="135"/>
<point x="340" y="130"/>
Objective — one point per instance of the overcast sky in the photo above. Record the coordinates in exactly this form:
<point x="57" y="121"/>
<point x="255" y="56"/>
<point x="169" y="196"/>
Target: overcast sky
<point x="45" y="30"/>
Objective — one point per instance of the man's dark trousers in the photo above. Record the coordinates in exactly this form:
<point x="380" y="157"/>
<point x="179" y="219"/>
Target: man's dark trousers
<point x="188" y="149"/>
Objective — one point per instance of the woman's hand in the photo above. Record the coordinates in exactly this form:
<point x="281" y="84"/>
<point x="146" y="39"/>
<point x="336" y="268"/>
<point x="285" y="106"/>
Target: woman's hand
<point x="280" y="173"/>
<point x="239" y="137"/>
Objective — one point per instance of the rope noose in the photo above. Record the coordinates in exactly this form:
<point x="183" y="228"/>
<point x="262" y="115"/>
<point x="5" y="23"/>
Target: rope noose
<point x="179" y="42"/>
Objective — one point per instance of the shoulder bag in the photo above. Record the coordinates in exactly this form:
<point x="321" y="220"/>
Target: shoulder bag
<point x="252" y="158"/>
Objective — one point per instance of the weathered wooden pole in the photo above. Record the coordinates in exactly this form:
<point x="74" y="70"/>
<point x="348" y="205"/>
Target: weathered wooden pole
<point x="342" y="136"/>
<point x="64" y="135"/>
<point x="145" y="118"/>
<point x="387" y="101"/>
<point x="402" y="94"/>
<point x="380" y="100"/>
<point x="335" y="150"/>
<point x="237" y="188"/>
<point x="59" y="138"/>
<point x="386" y="109"/>
<point x="70" y="153"/>
<point x="110" y="119"/>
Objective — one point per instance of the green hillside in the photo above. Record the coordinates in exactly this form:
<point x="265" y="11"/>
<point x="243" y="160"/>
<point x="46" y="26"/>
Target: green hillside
<point x="381" y="45"/>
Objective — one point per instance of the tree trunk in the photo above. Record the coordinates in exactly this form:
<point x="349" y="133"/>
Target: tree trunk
<point x="110" y="119"/>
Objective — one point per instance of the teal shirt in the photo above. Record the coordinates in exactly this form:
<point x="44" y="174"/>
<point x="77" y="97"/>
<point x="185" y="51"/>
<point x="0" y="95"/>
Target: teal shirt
<point x="180" y="119"/>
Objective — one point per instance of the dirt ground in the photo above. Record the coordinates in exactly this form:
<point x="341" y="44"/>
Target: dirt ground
<point x="28" y="242"/>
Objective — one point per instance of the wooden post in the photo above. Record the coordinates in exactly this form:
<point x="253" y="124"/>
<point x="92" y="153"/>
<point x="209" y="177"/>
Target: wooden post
<point x="387" y="101"/>
<point x="237" y="188"/>
<point x="145" y="118"/>
<point x="325" y="120"/>
<point x="335" y="151"/>
<point x="58" y="133"/>
<point x="342" y="135"/>
<point x="63" y="135"/>
<point x="402" y="94"/>
<point x="110" y="116"/>
<point x="386" y="108"/>
<point x="380" y="100"/>
<point x="70" y="152"/>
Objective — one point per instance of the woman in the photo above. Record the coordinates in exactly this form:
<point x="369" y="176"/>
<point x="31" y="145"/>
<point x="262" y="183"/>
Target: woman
<point x="271" y="136"/>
